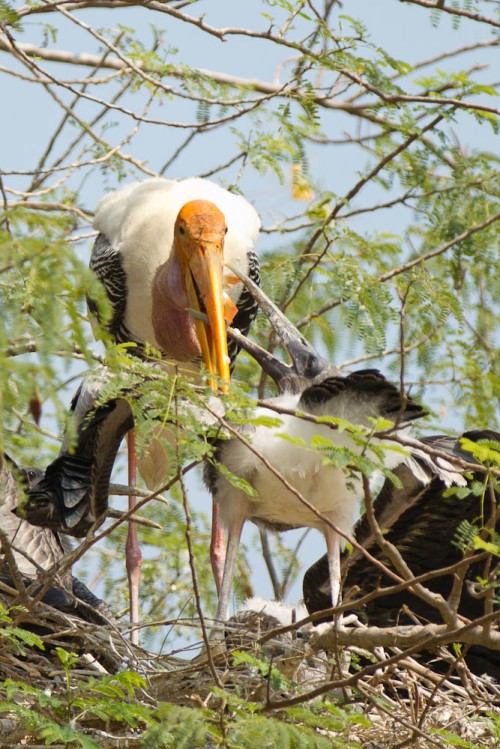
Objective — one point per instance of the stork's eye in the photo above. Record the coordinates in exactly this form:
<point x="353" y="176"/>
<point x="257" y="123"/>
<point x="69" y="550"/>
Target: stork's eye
<point x="182" y="230"/>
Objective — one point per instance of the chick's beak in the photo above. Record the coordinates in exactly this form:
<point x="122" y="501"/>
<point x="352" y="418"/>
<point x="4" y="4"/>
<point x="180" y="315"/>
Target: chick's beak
<point x="200" y="231"/>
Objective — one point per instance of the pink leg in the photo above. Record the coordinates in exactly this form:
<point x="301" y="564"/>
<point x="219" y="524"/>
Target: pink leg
<point x="233" y="542"/>
<point x="133" y="556"/>
<point x="217" y="548"/>
<point x="333" y="551"/>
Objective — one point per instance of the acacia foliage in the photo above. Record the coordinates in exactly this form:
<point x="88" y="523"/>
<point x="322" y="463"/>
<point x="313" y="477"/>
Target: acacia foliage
<point x="375" y="176"/>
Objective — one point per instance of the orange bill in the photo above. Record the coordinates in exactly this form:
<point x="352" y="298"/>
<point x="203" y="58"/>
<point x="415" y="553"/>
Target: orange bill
<point x="201" y="247"/>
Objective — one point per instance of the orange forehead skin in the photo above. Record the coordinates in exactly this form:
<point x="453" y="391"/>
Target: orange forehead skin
<point x="198" y="215"/>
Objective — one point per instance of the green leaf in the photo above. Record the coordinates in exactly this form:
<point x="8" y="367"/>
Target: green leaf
<point x="236" y="481"/>
<point x="67" y="658"/>
<point x="482" y="545"/>
<point x="269" y="422"/>
<point x="9" y="15"/>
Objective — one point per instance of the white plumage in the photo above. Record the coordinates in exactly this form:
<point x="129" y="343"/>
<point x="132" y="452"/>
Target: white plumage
<point x="333" y="492"/>
<point x="284" y="613"/>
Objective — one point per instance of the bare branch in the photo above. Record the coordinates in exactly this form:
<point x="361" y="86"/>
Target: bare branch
<point x="410" y="636"/>
<point x="440" y="5"/>
<point x="439" y="250"/>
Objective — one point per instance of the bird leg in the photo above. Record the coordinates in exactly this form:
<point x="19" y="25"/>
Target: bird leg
<point x="217" y="548"/>
<point x="333" y="551"/>
<point x="133" y="556"/>
<point x="233" y="542"/>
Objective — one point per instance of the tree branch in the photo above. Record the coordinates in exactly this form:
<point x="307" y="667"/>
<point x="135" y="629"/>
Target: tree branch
<point x="440" y="5"/>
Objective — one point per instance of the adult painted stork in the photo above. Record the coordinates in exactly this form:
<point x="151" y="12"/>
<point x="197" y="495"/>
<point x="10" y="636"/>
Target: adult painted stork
<point x="163" y="248"/>
<point x="34" y="551"/>
<point x="422" y="520"/>
<point x="285" y="472"/>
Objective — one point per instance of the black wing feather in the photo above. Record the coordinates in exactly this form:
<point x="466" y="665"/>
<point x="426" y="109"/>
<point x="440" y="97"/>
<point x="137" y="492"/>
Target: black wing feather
<point x="73" y="492"/>
<point x="393" y="404"/>
<point x="423" y="526"/>
<point x="247" y="308"/>
<point x="107" y="264"/>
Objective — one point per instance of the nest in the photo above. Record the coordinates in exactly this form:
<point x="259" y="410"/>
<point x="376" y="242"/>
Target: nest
<point x="404" y="703"/>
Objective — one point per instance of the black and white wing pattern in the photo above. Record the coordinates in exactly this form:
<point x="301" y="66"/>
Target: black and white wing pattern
<point x="247" y="308"/>
<point x="360" y="395"/>
<point x="107" y="264"/>
<point x="73" y="492"/>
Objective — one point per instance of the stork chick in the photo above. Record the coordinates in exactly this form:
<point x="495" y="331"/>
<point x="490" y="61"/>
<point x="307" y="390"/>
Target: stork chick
<point x="422" y="520"/>
<point x="284" y="471"/>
